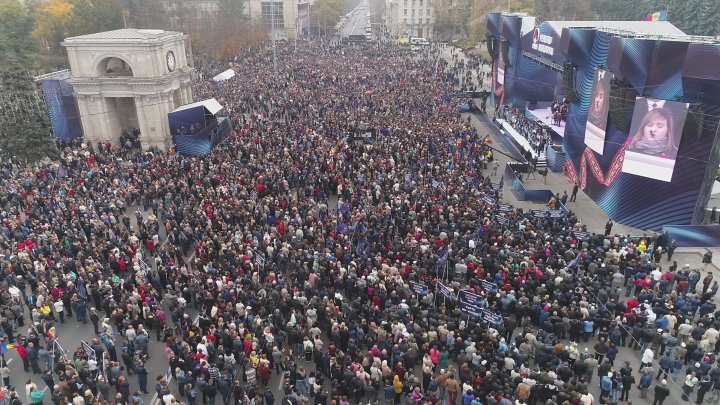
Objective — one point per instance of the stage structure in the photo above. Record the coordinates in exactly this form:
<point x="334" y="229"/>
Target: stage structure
<point x="61" y="104"/>
<point x="197" y="128"/>
<point x="642" y="131"/>
<point x="127" y="79"/>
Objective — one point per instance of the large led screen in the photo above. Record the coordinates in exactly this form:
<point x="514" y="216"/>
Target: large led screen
<point x="655" y="133"/>
<point x="598" y="112"/>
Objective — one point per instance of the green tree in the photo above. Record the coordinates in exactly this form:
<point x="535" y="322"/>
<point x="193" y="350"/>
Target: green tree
<point x="145" y="14"/>
<point x="24" y="126"/>
<point x="91" y="16"/>
<point x="469" y="15"/>
<point x="328" y="12"/>
<point x="559" y="10"/>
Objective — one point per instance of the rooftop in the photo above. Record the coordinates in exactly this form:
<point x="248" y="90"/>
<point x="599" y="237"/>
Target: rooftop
<point x="123" y="35"/>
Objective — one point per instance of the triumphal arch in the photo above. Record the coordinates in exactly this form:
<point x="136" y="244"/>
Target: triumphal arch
<point x="129" y="79"/>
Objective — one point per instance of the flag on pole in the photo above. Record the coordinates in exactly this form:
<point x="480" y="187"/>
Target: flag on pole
<point x="657" y="16"/>
<point x="51" y="333"/>
<point x="61" y="172"/>
<point x="443" y="259"/>
<point x="5" y="346"/>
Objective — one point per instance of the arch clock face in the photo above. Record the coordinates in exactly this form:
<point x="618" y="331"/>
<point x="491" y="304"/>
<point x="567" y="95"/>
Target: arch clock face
<point x="170" y="58"/>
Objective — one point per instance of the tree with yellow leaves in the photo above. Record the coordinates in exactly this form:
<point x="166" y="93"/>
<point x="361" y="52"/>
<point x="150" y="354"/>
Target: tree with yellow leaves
<point x="52" y="21"/>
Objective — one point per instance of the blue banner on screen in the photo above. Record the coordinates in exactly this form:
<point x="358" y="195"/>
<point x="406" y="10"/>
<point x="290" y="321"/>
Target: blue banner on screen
<point x="655" y="133"/>
<point x="418" y="288"/>
<point x="694" y="235"/>
<point x="598" y="112"/>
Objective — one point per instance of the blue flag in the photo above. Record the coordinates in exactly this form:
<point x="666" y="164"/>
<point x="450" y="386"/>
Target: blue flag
<point x="443" y="259"/>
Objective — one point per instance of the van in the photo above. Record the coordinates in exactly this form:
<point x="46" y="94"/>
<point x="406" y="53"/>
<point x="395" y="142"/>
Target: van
<point x="419" y="41"/>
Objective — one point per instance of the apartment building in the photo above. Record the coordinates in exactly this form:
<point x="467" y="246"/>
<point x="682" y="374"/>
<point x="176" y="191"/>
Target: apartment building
<point x="409" y="18"/>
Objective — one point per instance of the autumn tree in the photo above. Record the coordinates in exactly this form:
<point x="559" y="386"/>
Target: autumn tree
<point x="52" y="22"/>
<point x="229" y="33"/>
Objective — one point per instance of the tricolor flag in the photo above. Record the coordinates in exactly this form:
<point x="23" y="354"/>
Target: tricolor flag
<point x="657" y="16"/>
<point x="5" y="346"/>
<point x="51" y="333"/>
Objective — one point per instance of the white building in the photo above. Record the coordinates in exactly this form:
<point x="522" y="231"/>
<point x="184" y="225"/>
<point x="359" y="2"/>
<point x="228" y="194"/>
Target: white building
<point x="409" y="18"/>
<point x="285" y="17"/>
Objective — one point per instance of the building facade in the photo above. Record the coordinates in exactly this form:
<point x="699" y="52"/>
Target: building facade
<point x="286" y="18"/>
<point x="409" y="18"/>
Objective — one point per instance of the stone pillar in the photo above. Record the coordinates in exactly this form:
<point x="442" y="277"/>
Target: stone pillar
<point x="97" y="119"/>
<point x="186" y="91"/>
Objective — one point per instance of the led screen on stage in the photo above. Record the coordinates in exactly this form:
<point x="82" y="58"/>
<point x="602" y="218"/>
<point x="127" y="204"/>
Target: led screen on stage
<point x="655" y="133"/>
<point x="598" y="112"/>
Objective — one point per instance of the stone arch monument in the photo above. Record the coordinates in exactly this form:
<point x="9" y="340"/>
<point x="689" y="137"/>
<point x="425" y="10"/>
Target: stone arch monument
<point x="127" y="79"/>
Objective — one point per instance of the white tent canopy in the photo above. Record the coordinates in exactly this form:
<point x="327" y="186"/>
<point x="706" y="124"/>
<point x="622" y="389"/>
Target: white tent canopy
<point x="226" y="75"/>
<point x="210" y="104"/>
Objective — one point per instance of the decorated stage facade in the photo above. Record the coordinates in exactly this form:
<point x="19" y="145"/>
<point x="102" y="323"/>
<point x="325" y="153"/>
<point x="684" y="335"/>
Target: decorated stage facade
<point x="641" y="133"/>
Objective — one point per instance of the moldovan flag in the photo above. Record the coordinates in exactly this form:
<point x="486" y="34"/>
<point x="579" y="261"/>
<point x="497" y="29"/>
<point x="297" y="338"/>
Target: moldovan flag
<point x="51" y="333"/>
<point x="5" y="346"/>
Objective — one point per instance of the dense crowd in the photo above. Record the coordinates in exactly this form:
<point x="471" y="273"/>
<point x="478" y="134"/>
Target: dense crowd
<point x="467" y="71"/>
<point x="297" y="250"/>
<point x="559" y="110"/>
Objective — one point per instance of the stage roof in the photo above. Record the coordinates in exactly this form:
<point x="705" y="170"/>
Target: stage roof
<point x="636" y="27"/>
<point x="210" y="104"/>
<point x="226" y="75"/>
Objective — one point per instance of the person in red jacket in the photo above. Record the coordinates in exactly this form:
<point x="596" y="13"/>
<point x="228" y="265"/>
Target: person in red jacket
<point x="23" y="355"/>
<point x="265" y="373"/>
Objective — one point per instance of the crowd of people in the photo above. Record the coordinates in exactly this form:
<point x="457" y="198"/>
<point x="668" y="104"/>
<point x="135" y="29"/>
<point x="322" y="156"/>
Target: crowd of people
<point x="298" y="250"/>
<point x="559" y="110"/>
<point x="536" y="133"/>
<point x="467" y="71"/>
